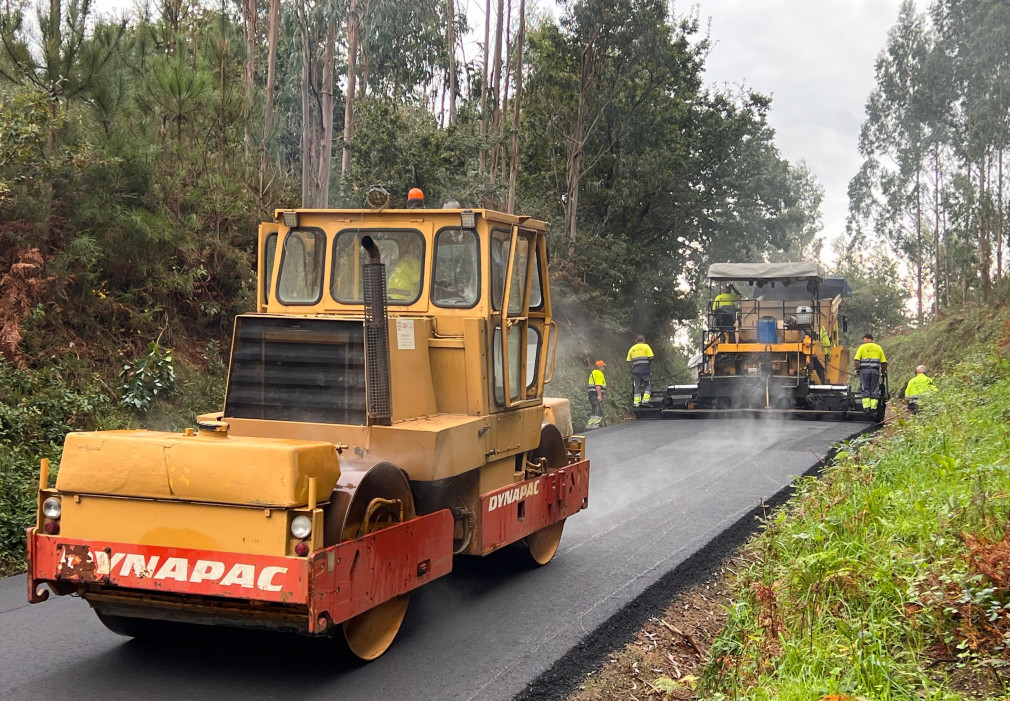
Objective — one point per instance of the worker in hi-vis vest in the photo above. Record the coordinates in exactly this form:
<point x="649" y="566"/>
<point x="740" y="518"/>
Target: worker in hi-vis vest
<point x="640" y="359"/>
<point x="727" y="298"/>
<point x="918" y="386"/>
<point x="597" y="393"/>
<point x="826" y="343"/>
<point x="870" y="363"/>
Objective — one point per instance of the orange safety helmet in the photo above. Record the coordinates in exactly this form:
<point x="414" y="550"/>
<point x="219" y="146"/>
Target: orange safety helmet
<point x="600" y="364"/>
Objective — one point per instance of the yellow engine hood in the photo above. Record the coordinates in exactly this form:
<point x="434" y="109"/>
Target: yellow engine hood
<point x="271" y="472"/>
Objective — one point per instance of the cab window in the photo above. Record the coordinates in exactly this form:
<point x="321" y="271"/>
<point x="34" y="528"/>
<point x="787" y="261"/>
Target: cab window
<point x="300" y="278"/>
<point x="536" y="286"/>
<point x="514" y="339"/>
<point x="269" y="254"/>
<point x="520" y="270"/>
<point x="401" y="251"/>
<point x="532" y="356"/>
<point x="456" y="277"/>
<point x="501" y="241"/>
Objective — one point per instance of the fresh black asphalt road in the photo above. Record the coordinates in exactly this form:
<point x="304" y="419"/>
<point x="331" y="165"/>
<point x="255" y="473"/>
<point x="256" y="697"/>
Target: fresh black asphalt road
<point x="660" y="491"/>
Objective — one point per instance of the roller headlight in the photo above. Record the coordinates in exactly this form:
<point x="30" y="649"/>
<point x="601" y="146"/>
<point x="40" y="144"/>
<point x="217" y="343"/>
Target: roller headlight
<point x="52" y="508"/>
<point x="301" y="526"/>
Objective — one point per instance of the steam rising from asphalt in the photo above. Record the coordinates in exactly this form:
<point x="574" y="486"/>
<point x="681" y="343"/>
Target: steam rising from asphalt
<point x="712" y="447"/>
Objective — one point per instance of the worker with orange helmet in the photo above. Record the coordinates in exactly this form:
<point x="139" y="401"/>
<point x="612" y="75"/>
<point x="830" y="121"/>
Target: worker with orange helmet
<point x="415" y="198"/>
<point x="597" y="391"/>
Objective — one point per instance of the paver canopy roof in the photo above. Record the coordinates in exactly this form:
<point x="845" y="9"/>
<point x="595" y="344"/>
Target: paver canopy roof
<point x="765" y="271"/>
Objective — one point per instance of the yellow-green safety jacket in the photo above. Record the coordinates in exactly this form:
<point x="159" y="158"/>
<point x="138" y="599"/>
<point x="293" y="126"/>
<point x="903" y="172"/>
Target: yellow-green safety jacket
<point x="725" y="299"/>
<point x="870" y="355"/>
<point x="640" y="354"/>
<point x="405" y="280"/>
<point x="919" y="385"/>
<point x="826" y="343"/>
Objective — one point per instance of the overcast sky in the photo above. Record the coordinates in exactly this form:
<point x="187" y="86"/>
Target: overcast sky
<point x="815" y="58"/>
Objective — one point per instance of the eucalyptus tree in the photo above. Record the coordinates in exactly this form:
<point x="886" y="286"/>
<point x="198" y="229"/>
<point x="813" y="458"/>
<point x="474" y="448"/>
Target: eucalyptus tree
<point x="353" y="47"/>
<point x="516" y="109"/>
<point x="973" y="47"/>
<point x="273" y="38"/>
<point x="403" y="47"/>
<point x="395" y="51"/>
<point x="317" y="24"/>
<point x="891" y="189"/>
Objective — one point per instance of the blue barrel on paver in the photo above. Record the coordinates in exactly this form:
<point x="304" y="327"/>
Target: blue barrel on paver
<point x="767" y="330"/>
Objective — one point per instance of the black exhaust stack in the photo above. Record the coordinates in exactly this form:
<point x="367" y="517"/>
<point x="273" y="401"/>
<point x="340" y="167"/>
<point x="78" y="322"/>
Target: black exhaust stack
<point x="378" y="392"/>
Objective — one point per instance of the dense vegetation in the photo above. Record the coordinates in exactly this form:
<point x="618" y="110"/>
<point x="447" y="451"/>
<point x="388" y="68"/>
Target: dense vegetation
<point x="138" y="154"/>
<point x="887" y="577"/>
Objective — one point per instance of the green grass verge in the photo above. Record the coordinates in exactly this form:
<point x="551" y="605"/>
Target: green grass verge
<point x="882" y="579"/>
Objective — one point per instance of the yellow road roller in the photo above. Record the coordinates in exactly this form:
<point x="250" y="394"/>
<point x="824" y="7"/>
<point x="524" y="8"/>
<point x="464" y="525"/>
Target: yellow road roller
<point x="384" y="413"/>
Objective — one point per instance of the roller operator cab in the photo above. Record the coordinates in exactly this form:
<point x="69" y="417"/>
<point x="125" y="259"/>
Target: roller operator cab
<point x="384" y="412"/>
<point x="770" y="345"/>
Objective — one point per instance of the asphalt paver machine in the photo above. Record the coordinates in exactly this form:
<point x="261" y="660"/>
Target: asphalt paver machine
<point x="770" y="345"/>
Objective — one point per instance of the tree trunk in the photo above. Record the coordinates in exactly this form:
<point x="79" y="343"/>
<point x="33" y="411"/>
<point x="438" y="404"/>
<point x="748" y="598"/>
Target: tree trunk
<point x="307" y="141"/>
<point x="498" y="162"/>
<point x="496" y="88"/>
<point x="222" y="134"/>
<point x="936" y="230"/>
<point x="482" y="157"/>
<point x="451" y="42"/>
<point x="999" y="216"/>
<point x="273" y="24"/>
<point x="326" y="104"/>
<point x="249" y="26"/>
<point x="52" y="45"/>
<point x="439" y="93"/>
<point x="918" y="247"/>
<point x="576" y="143"/>
<point x="361" y="61"/>
<point x="514" y="165"/>
<point x="362" y="80"/>
<point x="984" y="245"/>
<point x="352" y="74"/>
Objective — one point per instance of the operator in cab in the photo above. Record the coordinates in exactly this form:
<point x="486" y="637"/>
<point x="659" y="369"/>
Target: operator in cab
<point x="404" y="283"/>
<point x="729" y="296"/>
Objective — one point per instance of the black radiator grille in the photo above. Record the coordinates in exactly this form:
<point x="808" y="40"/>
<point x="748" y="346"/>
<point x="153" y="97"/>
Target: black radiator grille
<point x="297" y="369"/>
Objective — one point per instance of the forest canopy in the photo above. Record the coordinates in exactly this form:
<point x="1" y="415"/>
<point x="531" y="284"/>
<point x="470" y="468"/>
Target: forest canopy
<point x="138" y="154"/>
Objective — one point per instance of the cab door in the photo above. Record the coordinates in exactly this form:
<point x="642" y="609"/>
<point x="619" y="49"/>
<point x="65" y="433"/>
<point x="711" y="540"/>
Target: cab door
<point x="513" y="253"/>
<point x="265" y="263"/>
<point x="541" y="336"/>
